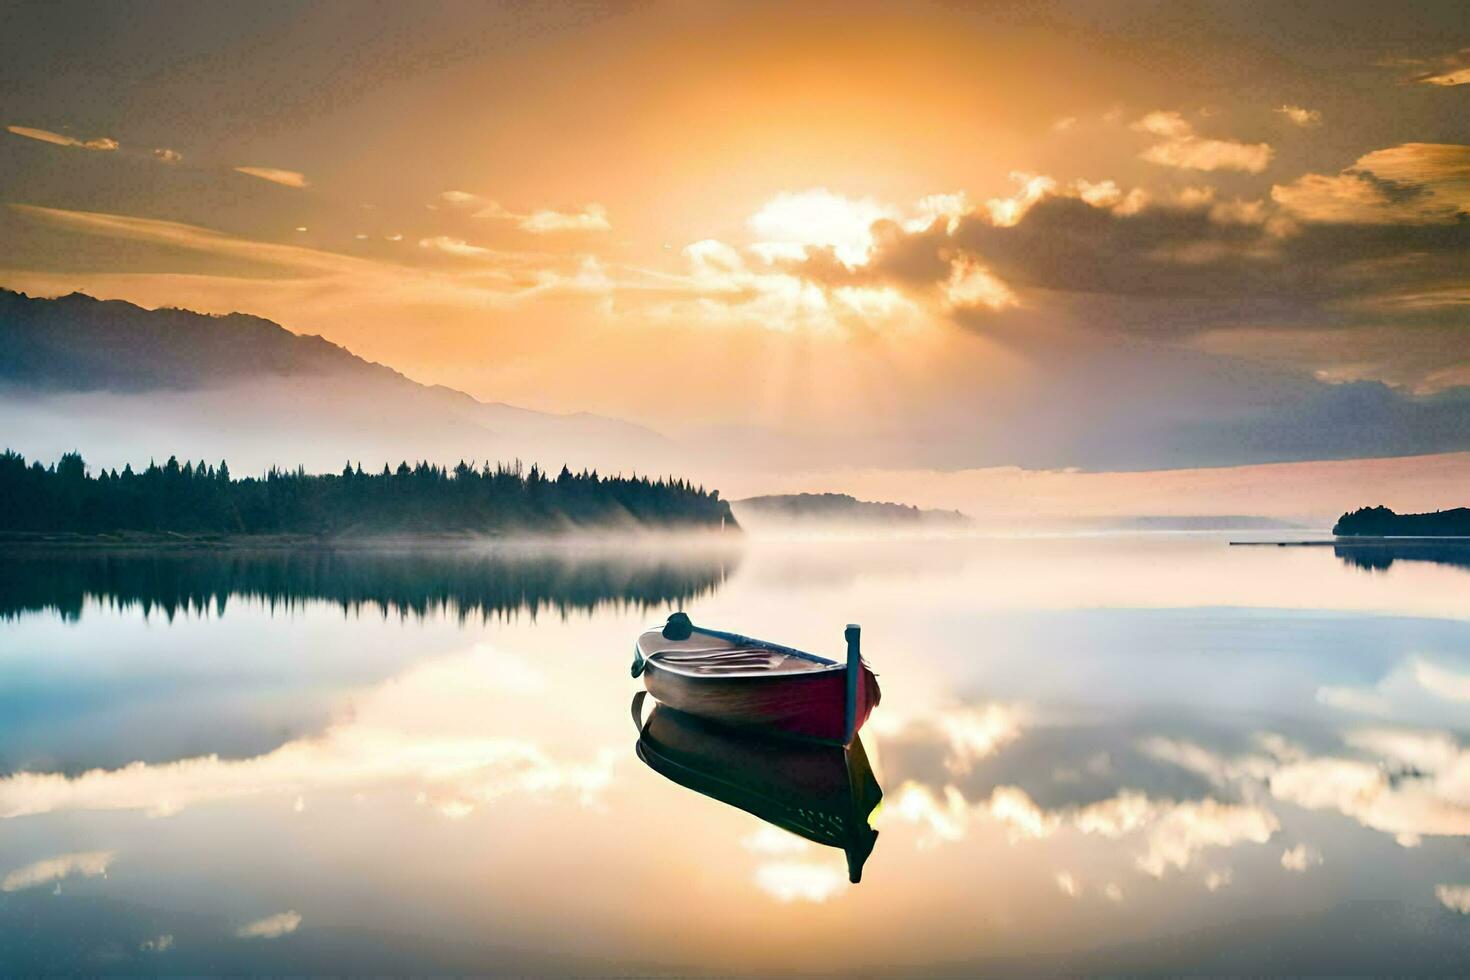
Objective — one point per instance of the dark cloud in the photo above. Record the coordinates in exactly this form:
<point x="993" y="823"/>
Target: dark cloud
<point x="1386" y="244"/>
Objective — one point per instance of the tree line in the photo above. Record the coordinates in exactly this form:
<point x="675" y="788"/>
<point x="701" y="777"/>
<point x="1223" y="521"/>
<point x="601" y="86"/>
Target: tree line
<point x="195" y="498"/>
<point x="1383" y="522"/>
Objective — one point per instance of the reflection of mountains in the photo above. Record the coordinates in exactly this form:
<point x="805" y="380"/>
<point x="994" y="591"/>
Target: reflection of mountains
<point x="821" y="792"/>
<point x="1378" y="556"/>
<point x="464" y="582"/>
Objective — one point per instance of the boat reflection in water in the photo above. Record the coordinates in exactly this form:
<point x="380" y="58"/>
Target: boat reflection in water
<point x="823" y="793"/>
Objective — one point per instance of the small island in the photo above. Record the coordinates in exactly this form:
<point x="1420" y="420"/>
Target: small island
<point x="1381" y="522"/>
<point x="840" y="508"/>
<point x="199" y="500"/>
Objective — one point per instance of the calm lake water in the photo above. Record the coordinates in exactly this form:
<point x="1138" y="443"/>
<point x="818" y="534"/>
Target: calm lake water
<point x="1112" y="753"/>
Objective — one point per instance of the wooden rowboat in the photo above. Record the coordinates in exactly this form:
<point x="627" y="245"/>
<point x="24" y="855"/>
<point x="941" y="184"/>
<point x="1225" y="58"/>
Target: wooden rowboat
<point x="737" y="680"/>
<point x="824" y="793"/>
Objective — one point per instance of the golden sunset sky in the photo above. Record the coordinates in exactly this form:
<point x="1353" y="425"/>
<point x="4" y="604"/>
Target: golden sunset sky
<point x="960" y="235"/>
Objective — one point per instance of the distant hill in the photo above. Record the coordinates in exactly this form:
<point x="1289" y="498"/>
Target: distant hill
<point x="77" y="343"/>
<point x="838" y="508"/>
<point x="121" y="382"/>
<point x="1202" y="522"/>
<point x="1382" y="522"/>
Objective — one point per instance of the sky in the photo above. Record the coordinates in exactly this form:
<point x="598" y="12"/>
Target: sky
<point x="1115" y="236"/>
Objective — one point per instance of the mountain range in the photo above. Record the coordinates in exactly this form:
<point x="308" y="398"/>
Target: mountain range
<point x="123" y="383"/>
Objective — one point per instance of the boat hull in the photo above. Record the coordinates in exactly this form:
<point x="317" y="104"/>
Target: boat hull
<point x="806" y="705"/>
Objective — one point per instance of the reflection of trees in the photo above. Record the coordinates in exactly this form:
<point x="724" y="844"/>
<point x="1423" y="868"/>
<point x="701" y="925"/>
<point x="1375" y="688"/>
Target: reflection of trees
<point x="1378" y="556"/>
<point x="466" y="583"/>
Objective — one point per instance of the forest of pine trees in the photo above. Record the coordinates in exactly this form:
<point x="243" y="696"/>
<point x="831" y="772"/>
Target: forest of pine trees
<point x="198" y="498"/>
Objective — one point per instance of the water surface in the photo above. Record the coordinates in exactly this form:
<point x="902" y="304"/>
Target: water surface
<point x="1144" y="753"/>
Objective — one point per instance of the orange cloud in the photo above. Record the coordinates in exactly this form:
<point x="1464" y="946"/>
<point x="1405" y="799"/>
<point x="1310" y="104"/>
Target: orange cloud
<point x="1181" y="147"/>
<point x="1413" y="183"/>
<point x="1304" y="118"/>
<point x="543" y="221"/>
<point x="286" y="178"/>
<point x="104" y="143"/>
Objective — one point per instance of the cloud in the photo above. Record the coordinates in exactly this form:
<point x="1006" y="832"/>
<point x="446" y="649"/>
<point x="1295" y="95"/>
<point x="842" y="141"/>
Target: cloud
<point x="791" y="222"/>
<point x="542" y="221"/>
<point x="271" y="927"/>
<point x="1064" y="124"/>
<point x="1456" y="898"/>
<point x="158" y="944"/>
<point x="1181" y="147"/>
<point x="165" y="155"/>
<point x="194" y="238"/>
<point x="1305" y="118"/>
<point x="1068" y="885"/>
<point x="103" y="143"/>
<point x="286" y="178"/>
<point x="971" y="284"/>
<point x="725" y="287"/>
<point x="1216" y="880"/>
<point x="593" y="217"/>
<point x="89" y="864"/>
<point x="1449" y="71"/>
<point x="454" y="246"/>
<point x="1412" y="183"/>
<point x="1300" y="858"/>
<point x="461" y="199"/>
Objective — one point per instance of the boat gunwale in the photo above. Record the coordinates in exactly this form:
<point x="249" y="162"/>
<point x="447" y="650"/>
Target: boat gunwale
<point x="823" y="665"/>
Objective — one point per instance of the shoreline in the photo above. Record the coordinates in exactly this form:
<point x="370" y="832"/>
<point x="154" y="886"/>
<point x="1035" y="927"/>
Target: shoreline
<point x="415" y="541"/>
<point x="1376" y="541"/>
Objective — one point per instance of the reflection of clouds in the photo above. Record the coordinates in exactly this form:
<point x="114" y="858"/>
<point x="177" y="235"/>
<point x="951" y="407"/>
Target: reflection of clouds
<point x="1184" y="829"/>
<point x="271" y="927"/>
<point x="1300" y="858"/>
<point x="1454" y="897"/>
<point x="787" y="878"/>
<point x="1446" y="684"/>
<point x="1410" y="784"/>
<point x="769" y="839"/>
<point x="422" y="729"/>
<point x="1403" y="692"/>
<point x="975" y="733"/>
<point x="800" y="881"/>
<point x="962" y="735"/>
<point x="1173" y="832"/>
<point x="87" y="863"/>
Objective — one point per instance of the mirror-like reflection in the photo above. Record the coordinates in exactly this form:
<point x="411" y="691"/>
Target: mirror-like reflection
<point x="1106" y="754"/>
<point x="823" y="793"/>
<point x="1378" y="556"/>
<point x="463" y="581"/>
